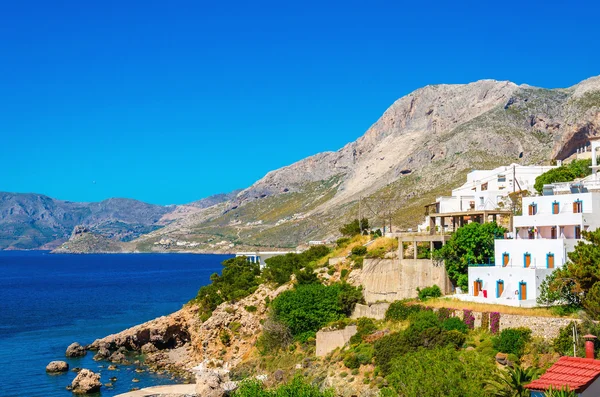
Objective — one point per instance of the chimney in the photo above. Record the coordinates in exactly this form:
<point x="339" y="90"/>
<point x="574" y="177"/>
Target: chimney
<point x="589" y="346"/>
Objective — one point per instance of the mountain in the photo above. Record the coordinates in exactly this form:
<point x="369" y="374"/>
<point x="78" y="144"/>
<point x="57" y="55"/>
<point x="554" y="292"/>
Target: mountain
<point x="420" y="148"/>
<point x="31" y="221"/>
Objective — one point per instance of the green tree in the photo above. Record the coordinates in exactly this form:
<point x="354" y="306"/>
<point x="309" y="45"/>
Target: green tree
<point x="355" y="227"/>
<point x="239" y="279"/>
<point x="440" y="373"/>
<point x="565" y="173"/>
<point x="279" y="268"/>
<point x="308" y="308"/>
<point x="298" y="387"/>
<point x="472" y="243"/>
<point x="511" y="382"/>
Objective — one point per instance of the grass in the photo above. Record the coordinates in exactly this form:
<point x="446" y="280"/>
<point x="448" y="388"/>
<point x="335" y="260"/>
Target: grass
<point x="485" y="307"/>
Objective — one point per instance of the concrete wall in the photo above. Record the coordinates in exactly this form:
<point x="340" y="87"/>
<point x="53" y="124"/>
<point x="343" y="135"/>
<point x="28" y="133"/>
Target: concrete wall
<point x="387" y="280"/>
<point x="375" y="311"/>
<point x="328" y="341"/>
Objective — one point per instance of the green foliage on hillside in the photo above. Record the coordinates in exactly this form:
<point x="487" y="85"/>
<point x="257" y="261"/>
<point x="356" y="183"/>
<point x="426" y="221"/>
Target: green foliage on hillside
<point x="470" y="244"/>
<point x="512" y="341"/>
<point x="308" y="308"/>
<point x="577" y="283"/>
<point x="355" y="227"/>
<point x="279" y="268"/>
<point x="429" y="292"/>
<point x="239" y="279"/>
<point x="298" y="387"/>
<point x="565" y="173"/>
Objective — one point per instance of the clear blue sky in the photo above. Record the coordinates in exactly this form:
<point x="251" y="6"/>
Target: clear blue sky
<point x="171" y="101"/>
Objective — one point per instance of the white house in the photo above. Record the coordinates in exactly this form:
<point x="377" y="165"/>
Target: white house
<point x="549" y="228"/>
<point x="485" y="190"/>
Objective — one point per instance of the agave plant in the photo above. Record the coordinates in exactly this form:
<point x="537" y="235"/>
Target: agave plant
<point x="511" y="382"/>
<point x="563" y="392"/>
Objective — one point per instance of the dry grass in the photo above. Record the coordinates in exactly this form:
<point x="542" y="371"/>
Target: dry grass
<point x="386" y="243"/>
<point x="484" y="307"/>
<point x="345" y="251"/>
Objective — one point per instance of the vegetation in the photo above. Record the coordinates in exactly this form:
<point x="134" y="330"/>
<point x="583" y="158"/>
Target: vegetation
<point x="401" y="310"/>
<point x="564" y="173"/>
<point x="308" y="308"/>
<point x="298" y="387"/>
<point x="472" y="243"/>
<point x="429" y="292"/>
<point x="512" y="340"/>
<point x="239" y="279"/>
<point x="511" y="382"/>
<point x="577" y="283"/>
<point x="355" y="227"/>
<point x="279" y="268"/>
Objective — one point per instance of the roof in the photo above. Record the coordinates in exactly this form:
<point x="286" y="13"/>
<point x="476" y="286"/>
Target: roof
<point x="574" y="372"/>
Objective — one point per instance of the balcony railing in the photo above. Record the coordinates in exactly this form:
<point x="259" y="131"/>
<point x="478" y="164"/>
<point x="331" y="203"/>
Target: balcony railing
<point x="487" y="262"/>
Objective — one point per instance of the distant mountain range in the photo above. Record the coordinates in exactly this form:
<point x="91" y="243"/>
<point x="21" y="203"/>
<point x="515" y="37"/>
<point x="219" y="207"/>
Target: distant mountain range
<point x="420" y="148"/>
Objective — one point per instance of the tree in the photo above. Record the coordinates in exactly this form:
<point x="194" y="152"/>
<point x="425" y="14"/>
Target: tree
<point x="511" y="382"/>
<point x="576" y="282"/>
<point x="472" y="243"/>
<point x="564" y="173"/>
<point x="355" y="227"/>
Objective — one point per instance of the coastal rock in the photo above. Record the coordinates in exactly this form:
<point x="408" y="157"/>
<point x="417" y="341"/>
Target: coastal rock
<point x="57" y="367"/>
<point x="118" y="357"/>
<point x="102" y="354"/>
<point x="86" y="382"/>
<point x="209" y="384"/>
<point x="75" y="350"/>
<point x="149" y="348"/>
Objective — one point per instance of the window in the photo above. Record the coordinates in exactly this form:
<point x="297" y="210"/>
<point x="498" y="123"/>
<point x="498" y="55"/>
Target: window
<point x="522" y="291"/>
<point x="578" y="207"/>
<point x="555" y="207"/>
<point x="532" y="209"/>
<point x="578" y="232"/>
<point x="499" y="288"/>
<point x="505" y="259"/>
<point x="501" y="178"/>
<point x="550" y="260"/>
<point x="527" y="259"/>
<point x="484" y="186"/>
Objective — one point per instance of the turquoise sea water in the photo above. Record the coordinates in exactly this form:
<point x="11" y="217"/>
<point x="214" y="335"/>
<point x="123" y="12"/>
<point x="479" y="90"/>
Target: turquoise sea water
<point x="49" y="301"/>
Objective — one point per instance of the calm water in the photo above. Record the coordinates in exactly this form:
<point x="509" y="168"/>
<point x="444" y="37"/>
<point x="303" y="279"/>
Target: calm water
<point x="49" y="301"/>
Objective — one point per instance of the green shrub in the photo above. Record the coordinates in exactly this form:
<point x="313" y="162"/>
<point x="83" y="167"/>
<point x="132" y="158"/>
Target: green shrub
<point x="342" y="242"/>
<point x="364" y="326"/>
<point x="234" y="326"/>
<point x="455" y="338"/>
<point x="358" y="262"/>
<point x="298" y="387"/>
<point x="251" y="309"/>
<point x="278" y="269"/>
<point x="331" y="272"/>
<point x="512" y="340"/>
<point x="429" y="292"/>
<point x="351" y="360"/>
<point x="307" y="308"/>
<point x="274" y="337"/>
<point x="359" y="250"/>
<point x="388" y="348"/>
<point x="344" y="273"/>
<point x="401" y="310"/>
<point x="455" y="324"/>
<point x="225" y="337"/>
<point x="306" y="276"/>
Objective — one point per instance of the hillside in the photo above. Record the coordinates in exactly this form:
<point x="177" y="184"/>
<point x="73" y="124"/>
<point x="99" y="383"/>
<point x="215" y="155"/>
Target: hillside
<point x="420" y="148"/>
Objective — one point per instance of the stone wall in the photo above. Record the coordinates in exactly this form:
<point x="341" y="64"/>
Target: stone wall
<point x="328" y="341"/>
<point x="395" y="279"/>
<point x="375" y="311"/>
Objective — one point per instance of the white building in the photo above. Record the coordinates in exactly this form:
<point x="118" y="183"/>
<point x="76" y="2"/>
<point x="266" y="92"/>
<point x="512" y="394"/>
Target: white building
<point x="549" y="228"/>
<point x="485" y="190"/>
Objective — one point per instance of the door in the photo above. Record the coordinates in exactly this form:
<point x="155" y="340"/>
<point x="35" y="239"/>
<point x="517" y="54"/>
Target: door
<point x="577" y="232"/>
<point x="505" y="259"/>
<point x="555" y="208"/>
<point x="550" y="261"/>
<point x="553" y="233"/>
<point x="527" y="260"/>
<point x="522" y="291"/>
<point x="499" y="289"/>
<point x="477" y="287"/>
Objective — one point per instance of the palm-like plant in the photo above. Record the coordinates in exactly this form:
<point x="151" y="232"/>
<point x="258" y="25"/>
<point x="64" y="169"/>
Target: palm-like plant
<point x="564" y="392"/>
<point x="511" y="382"/>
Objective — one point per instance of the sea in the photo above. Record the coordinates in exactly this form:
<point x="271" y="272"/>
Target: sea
<point x="48" y="301"/>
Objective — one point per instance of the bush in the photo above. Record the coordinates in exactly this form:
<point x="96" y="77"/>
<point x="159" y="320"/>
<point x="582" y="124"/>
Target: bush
<point x="307" y="276"/>
<point x="359" y="250"/>
<point x="401" y="310"/>
<point x="279" y="269"/>
<point x="308" y="308"/>
<point x="351" y="361"/>
<point x="225" y="337"/>
<point x="512" y="340"/>
<point x="364" y="326"/>
<point x="355" y="227"/>
<point x="455" y="338"/>
<point x="388" y="348"/>
<point x="429" y="292"/>
<point x="342" y="242"/>
<point x="251" y="309"/>
<point x="298" y="387"/>
<point x="455" y="324"/>
<point x="274" y="336"/>
<point x="344" y="273"/>
<point x="444" y="313"/>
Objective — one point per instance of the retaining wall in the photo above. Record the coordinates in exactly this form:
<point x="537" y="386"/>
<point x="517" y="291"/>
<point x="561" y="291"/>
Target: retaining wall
<point x="328" y="341"/>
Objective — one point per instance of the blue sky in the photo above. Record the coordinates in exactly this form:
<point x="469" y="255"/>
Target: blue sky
<point x="169" y="102"/>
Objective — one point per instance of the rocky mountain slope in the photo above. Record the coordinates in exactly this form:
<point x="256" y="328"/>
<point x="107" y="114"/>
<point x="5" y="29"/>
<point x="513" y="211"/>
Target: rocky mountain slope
<point x="420" y="148"/>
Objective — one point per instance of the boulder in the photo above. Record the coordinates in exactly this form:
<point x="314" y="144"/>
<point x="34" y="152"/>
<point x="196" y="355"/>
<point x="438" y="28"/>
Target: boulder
<point x="149" y="348"/>
<point x="279" y="375"/>
<point x="55" y="367"/>
<point x="118" y="357"/>
<point x="75" y="350"/>
<point x="102" y="354"/>
<point x="86" y="382"/>
<point x="209" y="384"/>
